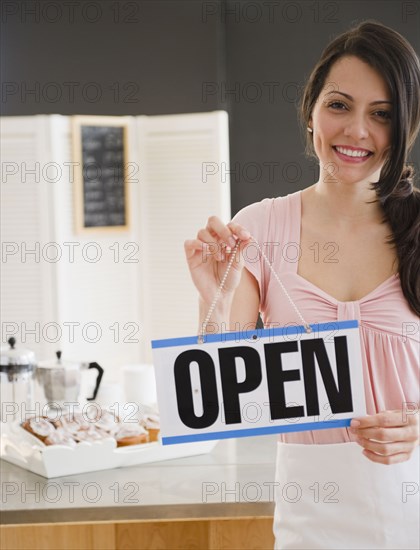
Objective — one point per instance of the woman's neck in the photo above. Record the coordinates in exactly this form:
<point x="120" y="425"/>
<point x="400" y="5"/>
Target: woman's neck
<point x="346" y="203"/>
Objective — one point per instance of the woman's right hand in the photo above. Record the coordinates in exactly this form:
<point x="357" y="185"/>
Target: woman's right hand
<point x="208" y="257"/>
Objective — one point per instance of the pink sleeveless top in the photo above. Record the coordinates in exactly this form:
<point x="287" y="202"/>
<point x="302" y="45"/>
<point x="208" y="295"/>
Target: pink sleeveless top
<point x="389" y="329"/>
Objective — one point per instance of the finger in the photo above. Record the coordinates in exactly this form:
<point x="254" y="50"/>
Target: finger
<point x="217" y="246"/>
<point x="206" y="236"/>
<point x="193" y="245"/>
<point x="239" y="231"/>
<point x="384" y="419"/>
<point x="385" y="449"/>
<point x="215" y="225"/>
<point x="405" y="433"/>
<point x="394" y="459"/>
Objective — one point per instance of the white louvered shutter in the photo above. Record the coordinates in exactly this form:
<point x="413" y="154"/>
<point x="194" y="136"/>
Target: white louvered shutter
<point x="27" y="282"/>
<point x="176" y="199"/>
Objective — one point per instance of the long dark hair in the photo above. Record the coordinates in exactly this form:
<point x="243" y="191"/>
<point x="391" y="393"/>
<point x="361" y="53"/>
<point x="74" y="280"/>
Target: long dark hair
<point x="392" y="56"/>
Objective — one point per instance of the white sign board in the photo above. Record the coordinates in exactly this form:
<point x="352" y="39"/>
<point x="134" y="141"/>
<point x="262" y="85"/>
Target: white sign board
<point x="259" y="382"/>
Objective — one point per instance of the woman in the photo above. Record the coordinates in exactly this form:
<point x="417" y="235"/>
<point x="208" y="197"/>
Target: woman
<point x="346" y="247"/>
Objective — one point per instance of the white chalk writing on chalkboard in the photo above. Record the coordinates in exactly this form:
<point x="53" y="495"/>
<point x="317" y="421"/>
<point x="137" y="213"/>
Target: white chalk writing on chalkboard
<point x="103" y="176"/>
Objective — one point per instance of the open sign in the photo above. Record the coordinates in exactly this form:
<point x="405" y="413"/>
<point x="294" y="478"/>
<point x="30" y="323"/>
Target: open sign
<point x="289" y="379"/>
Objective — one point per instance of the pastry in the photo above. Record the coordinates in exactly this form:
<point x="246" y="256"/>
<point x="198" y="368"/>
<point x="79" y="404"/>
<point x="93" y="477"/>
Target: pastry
<point x="39" y="427"/>
<point x="152" y="425"/>
<point x="131" y="434"/>
<point x="76" y="427"/>
<point x="108" y="422"/>
<point x="92" y="434"/>
<point x="60" y="437"/>
<point x="75" y="422"/>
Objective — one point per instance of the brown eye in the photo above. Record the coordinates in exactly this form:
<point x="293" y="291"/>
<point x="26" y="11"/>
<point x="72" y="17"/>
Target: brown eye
<point x="384" y="114"/>
<point x="337" y="105"/>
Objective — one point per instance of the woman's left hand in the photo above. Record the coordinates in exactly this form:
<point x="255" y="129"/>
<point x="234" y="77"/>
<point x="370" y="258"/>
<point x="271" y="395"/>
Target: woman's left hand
<point x="388" y="437"/>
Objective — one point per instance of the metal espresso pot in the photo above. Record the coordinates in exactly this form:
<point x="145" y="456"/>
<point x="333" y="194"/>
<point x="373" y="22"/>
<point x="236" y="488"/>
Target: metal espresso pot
<point x="17" y="367"/>
<point x="60" y="381"/>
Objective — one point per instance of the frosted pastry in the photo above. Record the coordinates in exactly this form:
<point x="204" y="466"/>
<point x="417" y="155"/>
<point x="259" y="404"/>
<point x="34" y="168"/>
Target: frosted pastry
<point x="39" y="427"/>
<point x="131" y="434"/>
<point x="75" y="422"/>
<point x="152" y="424"/>
<point x="60" y="437"/>
<point x="108" y="421"/>
<point x="91" y="434"/>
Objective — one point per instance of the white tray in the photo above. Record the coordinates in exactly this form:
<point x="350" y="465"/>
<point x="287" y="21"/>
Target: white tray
<point x="20" y="447"/>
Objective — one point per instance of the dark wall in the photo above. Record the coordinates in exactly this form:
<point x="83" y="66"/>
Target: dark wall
<point x="108" y="57"/>
<point x="158" y="57"/>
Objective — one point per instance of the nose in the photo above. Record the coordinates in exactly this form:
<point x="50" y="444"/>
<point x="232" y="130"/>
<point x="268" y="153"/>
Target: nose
<point x="356" y="127"/>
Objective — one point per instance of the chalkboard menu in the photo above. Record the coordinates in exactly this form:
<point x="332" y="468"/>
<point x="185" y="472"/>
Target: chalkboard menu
<point x="100" y="155"/>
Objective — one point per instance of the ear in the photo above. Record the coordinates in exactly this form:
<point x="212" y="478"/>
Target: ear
<point x="309" y="126"/>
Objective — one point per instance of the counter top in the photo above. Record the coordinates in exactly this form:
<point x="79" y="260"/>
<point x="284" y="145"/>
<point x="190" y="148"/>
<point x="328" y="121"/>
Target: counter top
<point x="235" y="480"/>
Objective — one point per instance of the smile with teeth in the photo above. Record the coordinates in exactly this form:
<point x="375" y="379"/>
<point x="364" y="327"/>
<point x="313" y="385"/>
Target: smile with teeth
<point x="352" y="153"/>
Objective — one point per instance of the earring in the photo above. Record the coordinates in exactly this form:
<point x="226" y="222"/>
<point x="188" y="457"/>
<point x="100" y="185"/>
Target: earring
<point x="309" y="129"/>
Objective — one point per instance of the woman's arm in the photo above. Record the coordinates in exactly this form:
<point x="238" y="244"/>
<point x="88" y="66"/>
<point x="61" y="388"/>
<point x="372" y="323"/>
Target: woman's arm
<point x="246" y="303"/>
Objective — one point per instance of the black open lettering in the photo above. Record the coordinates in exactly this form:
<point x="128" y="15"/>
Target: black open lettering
<point x="230" y="386"/>
<point x="313" y="356"/>
<point x="276" y="377"/>
<point x="339" y="395"/>
<point x="184" y="389"/>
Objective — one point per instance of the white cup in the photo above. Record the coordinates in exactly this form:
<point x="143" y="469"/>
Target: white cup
<point x="109" y="394"/>
<point x="139" y="384"/>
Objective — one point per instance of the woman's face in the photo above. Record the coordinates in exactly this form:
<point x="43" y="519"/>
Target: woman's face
<point x="351" y="123"/>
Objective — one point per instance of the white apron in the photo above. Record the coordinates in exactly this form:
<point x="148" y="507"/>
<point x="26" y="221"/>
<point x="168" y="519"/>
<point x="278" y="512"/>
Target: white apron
<point x="332" y="496"/>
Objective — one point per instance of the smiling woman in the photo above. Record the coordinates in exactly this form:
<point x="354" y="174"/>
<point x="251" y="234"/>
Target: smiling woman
<point x="351" y="125"/>
<point x="365" y="93"/>
<point x="361" y="114"/>
<point x="351" y="139"/>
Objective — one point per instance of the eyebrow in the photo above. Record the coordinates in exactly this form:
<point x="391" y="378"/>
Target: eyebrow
<point x="351" y="99"/>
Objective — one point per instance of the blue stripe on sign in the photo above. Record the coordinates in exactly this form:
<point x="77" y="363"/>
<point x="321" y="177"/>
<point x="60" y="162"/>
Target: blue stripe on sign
<point x="266" y="430"/>
<point x="251" y="335"/>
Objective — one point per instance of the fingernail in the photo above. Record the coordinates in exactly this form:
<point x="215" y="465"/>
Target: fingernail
<point x="355" y="423"/>
<point x="232" y="242"/>
<point x="245" y="235"/>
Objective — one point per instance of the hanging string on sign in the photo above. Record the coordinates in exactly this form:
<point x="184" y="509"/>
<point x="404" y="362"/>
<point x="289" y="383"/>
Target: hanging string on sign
<point x="205" y="384"/>
<point x="201" y="336"/>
